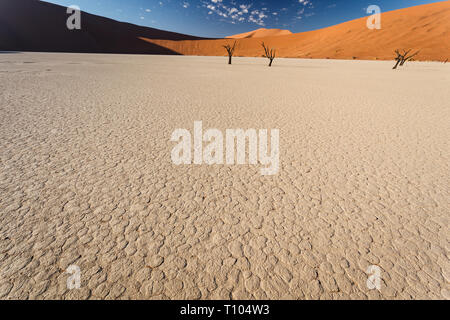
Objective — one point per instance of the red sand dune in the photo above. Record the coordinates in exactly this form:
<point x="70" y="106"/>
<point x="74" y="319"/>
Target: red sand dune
<point x="32" y="25"/>
<point x="260" y="33"/>
<point x="425" y="28"/>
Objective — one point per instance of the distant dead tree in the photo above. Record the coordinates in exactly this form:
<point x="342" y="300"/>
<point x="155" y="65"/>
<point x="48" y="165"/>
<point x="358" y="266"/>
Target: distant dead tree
<point x="230" y="50"/>
<point x="269" y="53"/>
<point x="403" y="57"/>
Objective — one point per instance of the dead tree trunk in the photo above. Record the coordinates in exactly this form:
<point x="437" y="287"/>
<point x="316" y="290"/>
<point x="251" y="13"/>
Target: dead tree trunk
<point x="403" y="57"/>
<point x="230" y="51"/>
<point x="398" y="59"/>
<point x="269" y="54"/>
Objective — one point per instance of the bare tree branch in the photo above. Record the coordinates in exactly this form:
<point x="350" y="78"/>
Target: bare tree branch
<point x="408" y="58"/>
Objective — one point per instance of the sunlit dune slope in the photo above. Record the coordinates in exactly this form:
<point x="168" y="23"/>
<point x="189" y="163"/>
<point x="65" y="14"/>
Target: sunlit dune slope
<point x="425" y="28"/>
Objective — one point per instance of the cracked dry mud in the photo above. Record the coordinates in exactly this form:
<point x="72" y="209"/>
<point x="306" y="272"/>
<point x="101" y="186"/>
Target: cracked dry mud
<point x="86" y="179"/>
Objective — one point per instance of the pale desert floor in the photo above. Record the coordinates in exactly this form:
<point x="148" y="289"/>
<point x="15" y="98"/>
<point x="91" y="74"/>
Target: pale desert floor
<point x="86" y="179"/>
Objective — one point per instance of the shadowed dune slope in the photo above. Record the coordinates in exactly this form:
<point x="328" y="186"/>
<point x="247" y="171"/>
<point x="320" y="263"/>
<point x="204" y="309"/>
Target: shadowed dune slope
<point x="31" y="25"/>
<point x="425" y="28"/>
<point x="261" y="33"/>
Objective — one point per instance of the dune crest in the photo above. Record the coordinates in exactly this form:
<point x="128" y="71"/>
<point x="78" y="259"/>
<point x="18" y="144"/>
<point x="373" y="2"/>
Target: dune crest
<point x="260" y="33"/>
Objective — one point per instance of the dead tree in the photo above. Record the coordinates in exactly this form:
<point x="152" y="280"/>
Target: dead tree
<point x="269" y="53"/>
<point x="445" y="61"/>
<point x="230" y="50"/>
<point x="403" y="57"/>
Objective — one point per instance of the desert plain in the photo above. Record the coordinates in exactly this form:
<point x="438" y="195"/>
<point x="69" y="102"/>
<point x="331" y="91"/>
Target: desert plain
<point x="86" y="179"/>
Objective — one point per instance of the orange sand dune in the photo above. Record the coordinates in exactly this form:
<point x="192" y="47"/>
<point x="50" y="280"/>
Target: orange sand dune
<point x="261" y="33"/>
<point x="425" y="28"/>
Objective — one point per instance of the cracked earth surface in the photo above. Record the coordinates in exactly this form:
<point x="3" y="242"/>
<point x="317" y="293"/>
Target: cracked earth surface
<point x="86" y="179"/>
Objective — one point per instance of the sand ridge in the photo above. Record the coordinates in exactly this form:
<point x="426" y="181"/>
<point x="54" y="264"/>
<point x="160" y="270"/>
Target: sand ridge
<point x="261" y="33"/>
<point x="86" y="179"/>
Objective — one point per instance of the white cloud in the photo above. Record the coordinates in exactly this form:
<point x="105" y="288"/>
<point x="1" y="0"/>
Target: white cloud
<point x="304" y="3"/>
<point x="236" y="13"/>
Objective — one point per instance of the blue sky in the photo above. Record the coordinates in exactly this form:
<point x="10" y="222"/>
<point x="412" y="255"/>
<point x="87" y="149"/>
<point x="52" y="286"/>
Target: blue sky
<point x="220" y="18"/>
